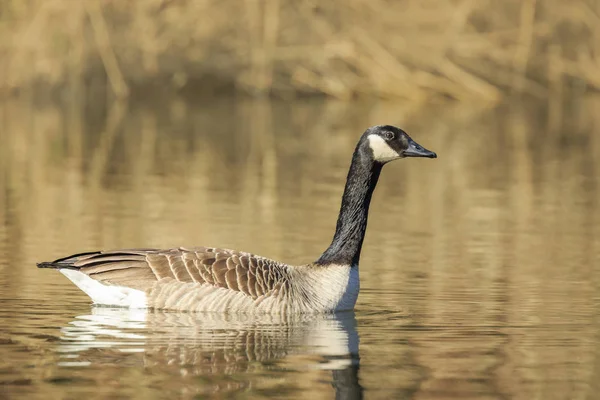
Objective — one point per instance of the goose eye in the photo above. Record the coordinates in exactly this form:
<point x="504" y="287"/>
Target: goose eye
<point x="389" y="135"/>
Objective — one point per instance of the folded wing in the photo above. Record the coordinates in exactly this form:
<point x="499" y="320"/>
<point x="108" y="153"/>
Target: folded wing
<point x="142" y="268"/>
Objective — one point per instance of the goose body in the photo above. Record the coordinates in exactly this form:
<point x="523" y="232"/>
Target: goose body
<point x="222" y="280"/>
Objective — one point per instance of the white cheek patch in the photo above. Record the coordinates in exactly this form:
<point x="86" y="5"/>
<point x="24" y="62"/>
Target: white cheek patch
<point x="382" y="152"/>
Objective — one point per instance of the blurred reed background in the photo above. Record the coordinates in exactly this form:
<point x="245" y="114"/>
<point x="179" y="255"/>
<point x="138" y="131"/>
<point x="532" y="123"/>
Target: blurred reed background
<point x="413" y="49"/>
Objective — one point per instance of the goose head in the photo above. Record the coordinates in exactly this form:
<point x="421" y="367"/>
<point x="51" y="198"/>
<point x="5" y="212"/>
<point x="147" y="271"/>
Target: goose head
<point x="387" y="143"/>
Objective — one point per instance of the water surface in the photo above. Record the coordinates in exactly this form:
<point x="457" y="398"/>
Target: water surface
<point x="479" y="272"/>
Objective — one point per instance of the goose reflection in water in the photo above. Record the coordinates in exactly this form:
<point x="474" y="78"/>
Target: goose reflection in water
<point x="209" y="352"/>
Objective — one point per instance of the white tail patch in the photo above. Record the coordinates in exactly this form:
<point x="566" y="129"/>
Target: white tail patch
<point x="106" y="294"/>
<point x="382" y="151"/>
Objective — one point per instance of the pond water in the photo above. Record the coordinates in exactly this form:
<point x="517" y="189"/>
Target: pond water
<point x="480" y="272"/>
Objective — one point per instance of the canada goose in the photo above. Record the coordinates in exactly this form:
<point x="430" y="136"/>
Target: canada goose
<point x="221" y="280"/>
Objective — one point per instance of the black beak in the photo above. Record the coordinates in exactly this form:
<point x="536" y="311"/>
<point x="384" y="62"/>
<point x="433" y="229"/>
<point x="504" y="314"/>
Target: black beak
<point x="416" y="150"/>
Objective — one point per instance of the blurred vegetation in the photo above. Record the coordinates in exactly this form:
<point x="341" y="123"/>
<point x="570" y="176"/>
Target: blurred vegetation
<point x="411" y="49"/>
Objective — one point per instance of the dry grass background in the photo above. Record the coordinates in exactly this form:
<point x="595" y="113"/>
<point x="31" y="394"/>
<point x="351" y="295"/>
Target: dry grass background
<point x="413" y="49"/>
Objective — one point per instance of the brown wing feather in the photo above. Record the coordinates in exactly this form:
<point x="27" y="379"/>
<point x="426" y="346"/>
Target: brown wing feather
<point x="142" y="268"/>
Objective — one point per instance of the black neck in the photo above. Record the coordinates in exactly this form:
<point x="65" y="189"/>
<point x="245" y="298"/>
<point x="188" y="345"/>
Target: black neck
<point x="352" y="221"/>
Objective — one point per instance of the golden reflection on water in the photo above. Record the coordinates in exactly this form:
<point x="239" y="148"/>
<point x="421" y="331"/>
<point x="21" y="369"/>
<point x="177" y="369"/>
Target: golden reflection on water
<point x="479" y="271"/>
<point x="229" y="353"/>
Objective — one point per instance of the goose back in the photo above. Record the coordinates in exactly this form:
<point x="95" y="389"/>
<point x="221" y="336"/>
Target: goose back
<point x="162" y="274"/>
